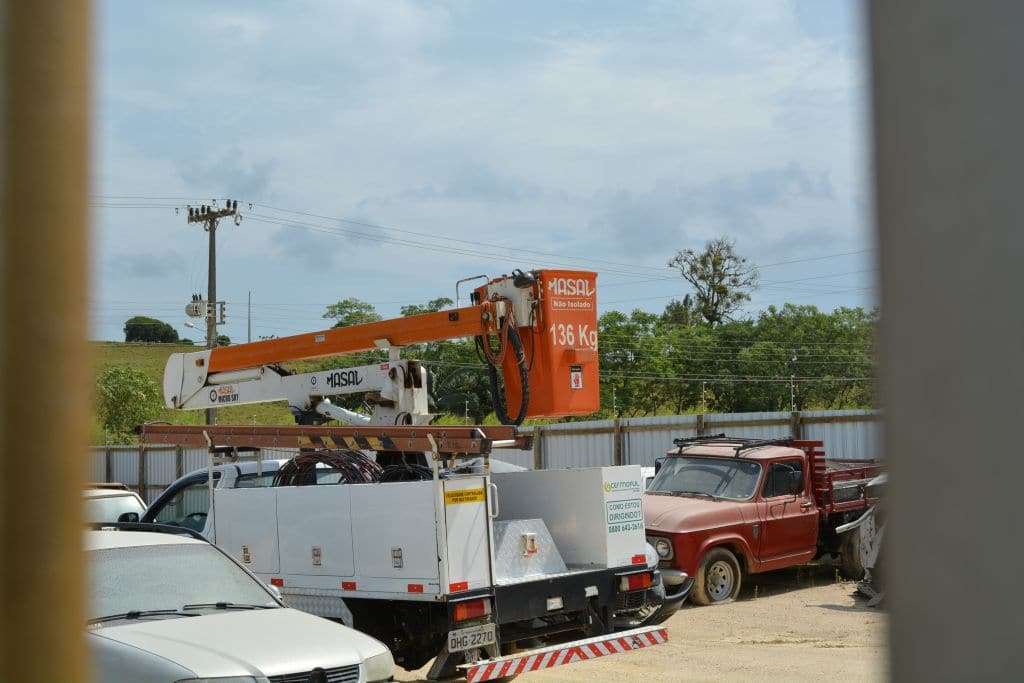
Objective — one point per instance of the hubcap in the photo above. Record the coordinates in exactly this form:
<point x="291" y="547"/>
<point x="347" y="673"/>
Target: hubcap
<point x="720" y="580"/>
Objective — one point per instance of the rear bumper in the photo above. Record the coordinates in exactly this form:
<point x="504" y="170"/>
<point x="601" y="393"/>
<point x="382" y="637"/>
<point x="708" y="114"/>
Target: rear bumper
<point x="578" y="591"/>
<point x="669" y="593"/>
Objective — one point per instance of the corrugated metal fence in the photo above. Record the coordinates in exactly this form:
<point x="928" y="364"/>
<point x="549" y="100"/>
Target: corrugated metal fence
<point x="151" y="469"/>
<point x="639" y="440"/>
<point x="627" y="441"/>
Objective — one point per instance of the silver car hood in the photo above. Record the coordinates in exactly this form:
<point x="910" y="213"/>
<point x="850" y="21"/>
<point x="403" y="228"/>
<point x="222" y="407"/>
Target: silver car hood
<point x="247" y="642"/>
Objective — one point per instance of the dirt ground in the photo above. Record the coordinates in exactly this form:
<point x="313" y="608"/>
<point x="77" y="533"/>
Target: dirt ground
<point x="796" y="624"/>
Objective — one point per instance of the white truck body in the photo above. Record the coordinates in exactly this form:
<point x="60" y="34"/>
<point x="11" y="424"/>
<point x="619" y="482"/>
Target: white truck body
<point x="426" y="540"/>
<point x="548" y="552"/>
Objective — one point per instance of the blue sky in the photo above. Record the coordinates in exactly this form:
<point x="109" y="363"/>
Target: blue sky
<point x="474" y="137"/>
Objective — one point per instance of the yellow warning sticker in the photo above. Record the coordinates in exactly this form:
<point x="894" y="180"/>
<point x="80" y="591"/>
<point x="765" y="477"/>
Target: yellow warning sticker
<point x="463" y="496"/>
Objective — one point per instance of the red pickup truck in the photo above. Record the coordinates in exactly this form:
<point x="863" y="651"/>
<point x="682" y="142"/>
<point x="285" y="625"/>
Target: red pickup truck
<point x="721" y="507"/>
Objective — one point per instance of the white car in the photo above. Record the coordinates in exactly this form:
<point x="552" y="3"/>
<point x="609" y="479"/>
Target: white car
<point x="169" y="608"/>
<point x="105" y="503"/>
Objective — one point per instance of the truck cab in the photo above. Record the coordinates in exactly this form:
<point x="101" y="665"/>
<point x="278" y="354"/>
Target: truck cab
<point x="720" y="508"/>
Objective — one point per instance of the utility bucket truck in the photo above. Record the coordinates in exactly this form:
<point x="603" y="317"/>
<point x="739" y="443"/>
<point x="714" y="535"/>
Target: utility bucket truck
<point x="491" y="574"/>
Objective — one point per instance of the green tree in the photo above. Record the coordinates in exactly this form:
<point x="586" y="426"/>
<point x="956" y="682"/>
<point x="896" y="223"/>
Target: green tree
<point x="632" y="358"/>
<point x="681" y="312"/>
<point x="721" y="278"/>
<point x="351" y="312"/>
<point x="125" y="398"/>
<point x="142" y="329"/>
<point x="223" y="340"/>
<point x="431" y="306"/>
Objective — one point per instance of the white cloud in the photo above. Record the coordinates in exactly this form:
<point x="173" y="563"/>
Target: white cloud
<point x="553" y="128"/>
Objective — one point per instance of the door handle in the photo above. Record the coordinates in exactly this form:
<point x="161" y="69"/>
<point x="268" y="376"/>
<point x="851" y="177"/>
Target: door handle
<point x="495" y="510"/>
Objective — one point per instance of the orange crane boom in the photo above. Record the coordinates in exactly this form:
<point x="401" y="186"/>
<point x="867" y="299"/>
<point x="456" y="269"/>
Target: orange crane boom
<point x="469" y="321"/>
<point x="543" y="365"/>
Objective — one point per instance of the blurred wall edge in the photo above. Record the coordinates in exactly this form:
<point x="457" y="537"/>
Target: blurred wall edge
<point x="949" y="146"/>
<point x="44" y="371"/>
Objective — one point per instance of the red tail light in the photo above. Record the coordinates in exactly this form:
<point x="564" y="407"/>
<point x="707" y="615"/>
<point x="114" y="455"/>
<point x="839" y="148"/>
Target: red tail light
<point x="278" y="582"/>
<point x="472" y="609"/>
<point x="636" y="582"/>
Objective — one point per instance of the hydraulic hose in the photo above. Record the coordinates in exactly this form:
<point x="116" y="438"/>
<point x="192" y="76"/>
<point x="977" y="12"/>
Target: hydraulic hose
<point x="500" y="409"/>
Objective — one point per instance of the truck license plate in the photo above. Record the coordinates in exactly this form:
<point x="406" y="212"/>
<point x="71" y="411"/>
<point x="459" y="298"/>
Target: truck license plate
<point x="468" y="638"/>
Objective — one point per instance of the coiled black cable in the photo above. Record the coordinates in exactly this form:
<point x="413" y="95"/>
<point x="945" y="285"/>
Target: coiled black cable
<point x="352" y="467"/>
<point x="405" y="472"/>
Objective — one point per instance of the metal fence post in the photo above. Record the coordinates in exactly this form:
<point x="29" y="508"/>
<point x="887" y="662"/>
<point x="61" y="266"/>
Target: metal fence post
<point x="142" y="473"/>
<point x="616" y="442"/>
<point x="179" y="462"/>
<point x="700" y="424"/>
<point x="108" y="465"/>
<point x="795" y="425"/>
<point x="538" y="448"/>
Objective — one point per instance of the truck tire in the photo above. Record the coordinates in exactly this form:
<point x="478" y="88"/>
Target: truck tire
<point x="851" y="556"/>
<point x="718" y="578"/>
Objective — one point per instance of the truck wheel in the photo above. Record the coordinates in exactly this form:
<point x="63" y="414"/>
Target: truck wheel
<point x="852" y="555"/>
<point x="718" y="578"/>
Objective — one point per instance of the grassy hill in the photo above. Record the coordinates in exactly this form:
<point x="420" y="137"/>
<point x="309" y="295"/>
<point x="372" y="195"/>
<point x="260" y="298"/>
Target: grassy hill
<point x="151" y="358"/>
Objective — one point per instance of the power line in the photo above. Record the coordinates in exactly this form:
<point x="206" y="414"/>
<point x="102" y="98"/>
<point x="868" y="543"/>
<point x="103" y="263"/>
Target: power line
<point x="634" y="269"/>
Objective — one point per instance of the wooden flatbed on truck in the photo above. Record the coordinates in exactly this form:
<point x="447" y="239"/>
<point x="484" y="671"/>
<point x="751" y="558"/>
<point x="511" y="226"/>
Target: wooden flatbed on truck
<point x="722" y="507"/>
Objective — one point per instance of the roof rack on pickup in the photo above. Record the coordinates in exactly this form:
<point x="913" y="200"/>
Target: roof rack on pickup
<point x="736" y="443"/>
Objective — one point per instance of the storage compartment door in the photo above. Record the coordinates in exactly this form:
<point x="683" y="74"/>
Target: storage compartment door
<point x="395" y="532"/>
<point x="247" y="527"/>
<point x="315" y="526"/>
<point x="468" y="533"/>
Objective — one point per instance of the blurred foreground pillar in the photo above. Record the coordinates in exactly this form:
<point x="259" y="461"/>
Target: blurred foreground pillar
<point x="949" y="152"/>
<point x="44" y="369"/>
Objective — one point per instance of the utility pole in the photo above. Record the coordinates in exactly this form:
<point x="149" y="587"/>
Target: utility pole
<point x="209" y="217"/>
<point x="248" y="326"/>
<point x="792" y="384"/>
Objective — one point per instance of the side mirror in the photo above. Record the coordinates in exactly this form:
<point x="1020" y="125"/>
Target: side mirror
<point x="131" y="517"/>
<point x="657" y="464"/>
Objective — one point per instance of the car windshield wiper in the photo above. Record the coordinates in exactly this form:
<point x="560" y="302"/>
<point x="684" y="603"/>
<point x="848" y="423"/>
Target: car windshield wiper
<point x="137" y="614"/>
<point x="697" y="493"/>
<point x="226" y="605"/>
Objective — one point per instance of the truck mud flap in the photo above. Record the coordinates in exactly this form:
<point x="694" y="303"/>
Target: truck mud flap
<point x="565" y="653"/>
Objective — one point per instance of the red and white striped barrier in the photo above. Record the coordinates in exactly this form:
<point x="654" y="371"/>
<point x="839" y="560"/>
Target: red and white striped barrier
<point x="567" y="653"/>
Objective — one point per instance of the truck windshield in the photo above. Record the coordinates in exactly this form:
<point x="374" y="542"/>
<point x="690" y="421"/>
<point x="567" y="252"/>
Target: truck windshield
<point x="719" y="477"/>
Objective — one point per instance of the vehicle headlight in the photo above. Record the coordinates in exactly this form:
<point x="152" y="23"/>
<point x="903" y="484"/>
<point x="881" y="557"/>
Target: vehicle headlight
<point x="380" y="667"/>
<point x="229" y="679"/>
<point x="662" y="546"/>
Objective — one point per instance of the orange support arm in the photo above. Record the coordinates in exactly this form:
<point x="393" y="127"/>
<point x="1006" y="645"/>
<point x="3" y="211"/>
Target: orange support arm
<point x="427" y="327"/>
